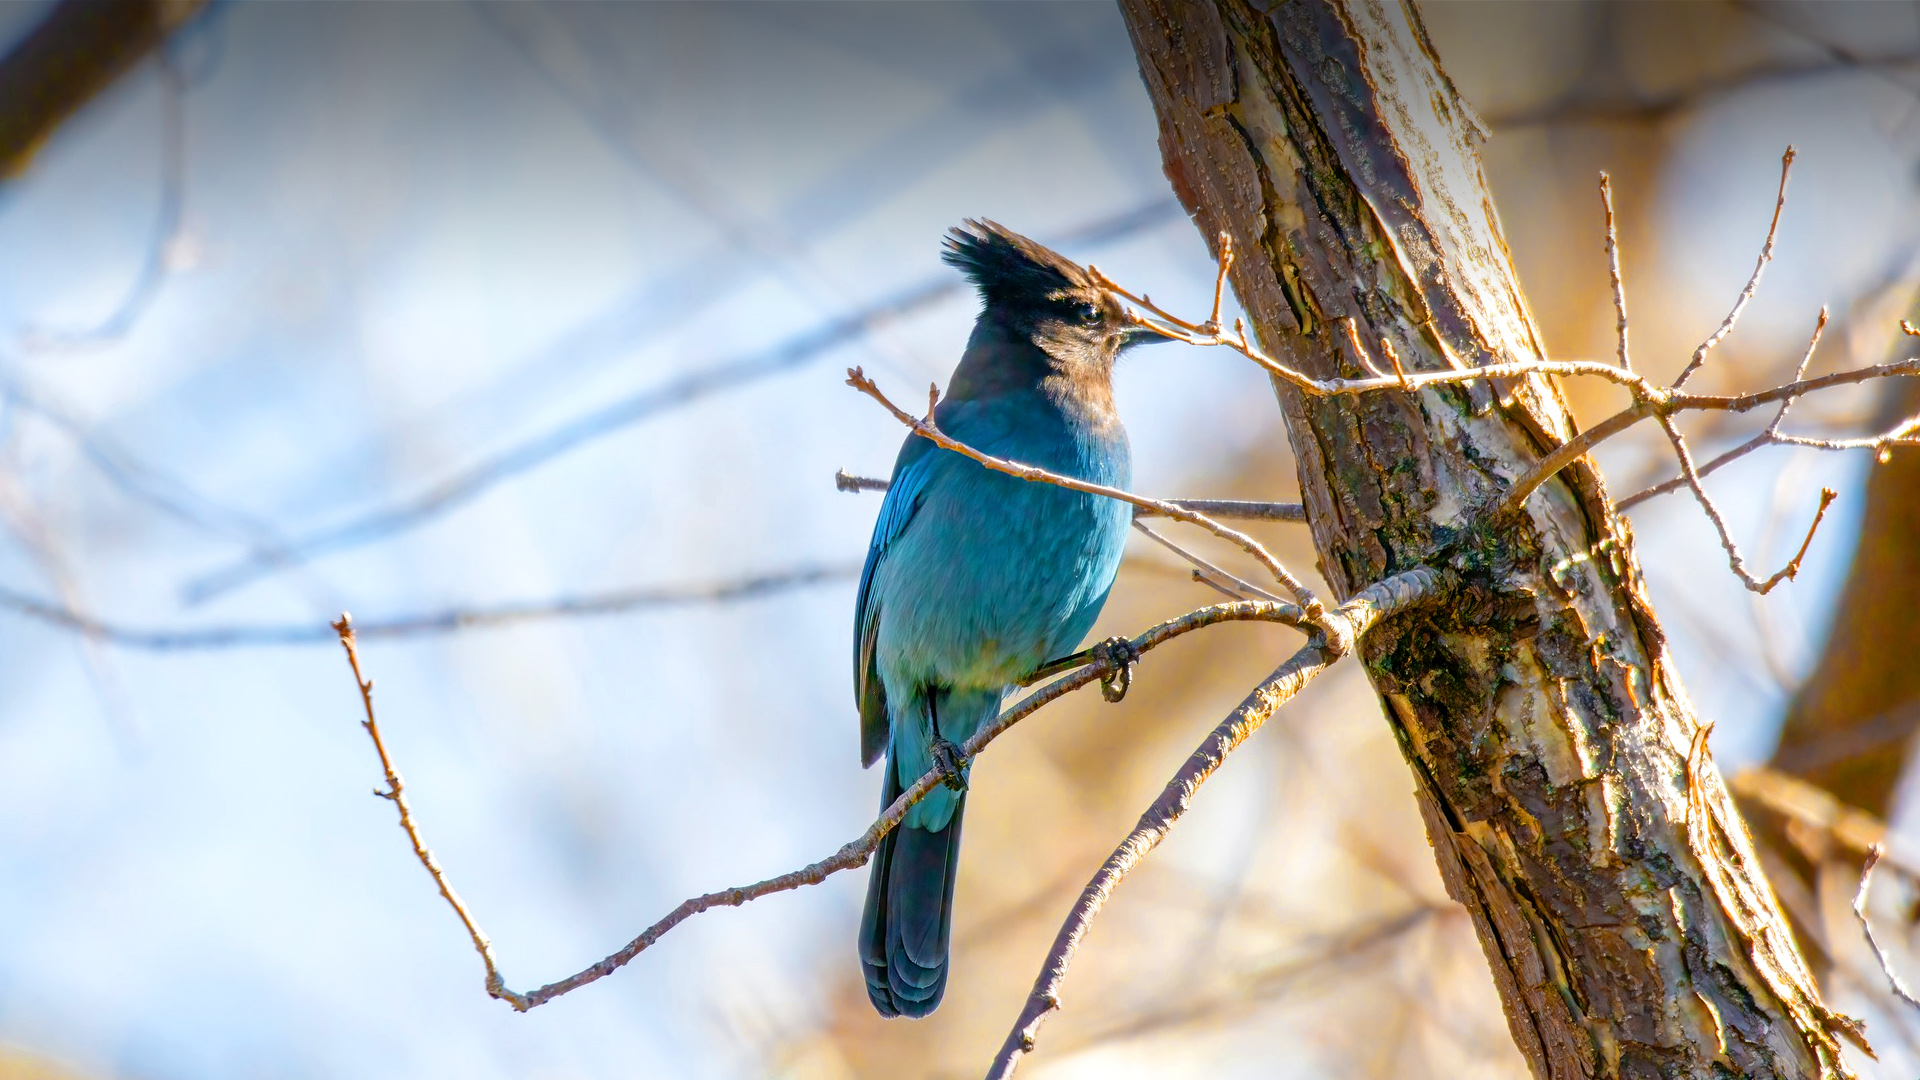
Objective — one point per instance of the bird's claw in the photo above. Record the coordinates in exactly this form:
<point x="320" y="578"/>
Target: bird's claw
<point x="947" y="758"/>
<point x="1118" y="655"/>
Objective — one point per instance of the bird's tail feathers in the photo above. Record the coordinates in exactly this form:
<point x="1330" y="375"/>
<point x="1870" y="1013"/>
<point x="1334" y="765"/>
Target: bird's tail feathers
<point x="908" y="921"/>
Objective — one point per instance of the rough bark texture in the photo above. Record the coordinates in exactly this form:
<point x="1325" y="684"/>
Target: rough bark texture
<point x="1571" y="807"/>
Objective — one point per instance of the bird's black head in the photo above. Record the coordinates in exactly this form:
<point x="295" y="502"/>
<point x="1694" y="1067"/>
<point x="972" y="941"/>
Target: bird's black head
<point x="1035" y="294"/>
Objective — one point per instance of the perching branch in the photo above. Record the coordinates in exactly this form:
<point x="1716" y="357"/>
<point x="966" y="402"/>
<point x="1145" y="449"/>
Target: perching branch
<point x="1351" y="620"/>
<point x="1095" y="666"/>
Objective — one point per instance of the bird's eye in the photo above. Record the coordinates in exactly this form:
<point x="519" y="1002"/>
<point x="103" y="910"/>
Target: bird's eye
<point x="1086" y="314"/>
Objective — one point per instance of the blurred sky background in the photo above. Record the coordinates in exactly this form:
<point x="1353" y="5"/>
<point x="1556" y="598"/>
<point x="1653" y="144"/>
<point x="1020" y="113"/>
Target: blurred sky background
<point x="322" y="260"/>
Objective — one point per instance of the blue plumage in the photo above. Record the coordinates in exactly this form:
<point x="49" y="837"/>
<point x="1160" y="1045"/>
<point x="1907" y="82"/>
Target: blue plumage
<point x="975" y="579"/>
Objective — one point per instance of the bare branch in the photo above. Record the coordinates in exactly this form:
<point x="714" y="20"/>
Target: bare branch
<point x="452" y="620"/>
<point x="1734" y="559"/>
<point x="1613" y="270"/>
<point x="1093" y="665"/>
<point x="1569" y="452"/>
<point x="926" y="429"/>
<point x="1229" y="509"/>
<point x="1347" y="624"/>
<point x="1903" y="433"/>
<point x="1649" y="400"/>
<point x="1206" y="572"/>
<point x="846" y="481"/>
<point x="397" y="793"/>
<point x="1664" y="399"/>
<point x="1638" y="108"/>
<point x="1753" y="283"/>
<point x="1393" y="357"/>
<point x="1894" y="982"/>
<point x="1342" y="951"/>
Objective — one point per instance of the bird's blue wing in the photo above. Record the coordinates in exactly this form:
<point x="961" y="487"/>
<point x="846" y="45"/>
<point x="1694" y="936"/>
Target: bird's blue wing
<point x="904" y="494"/>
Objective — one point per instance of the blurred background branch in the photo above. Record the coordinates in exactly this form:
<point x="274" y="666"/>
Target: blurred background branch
<point x="422" y="238"/>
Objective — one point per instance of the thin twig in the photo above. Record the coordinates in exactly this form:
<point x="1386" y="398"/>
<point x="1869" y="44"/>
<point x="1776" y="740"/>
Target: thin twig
<point x="1220" y="280"/>
<point x="1894" y="981"/>
<point x="846" y="481"/>
<point x="1800" y="369"/>
<point x="1665" y="399"/>
<point x="927" y="429"/>
<point x="1090" y="667"/>
<point x="1341" y="952"/>
<point x="1734" y="559"/>
<point x="1904" y="433"/>
<point x="1206" y="571"/>
<point x="1350" y="621"/>
<point x="1393" y="357"/>
<point x="1900" y="434"/>
<point x="1229" y="509"/>
<point x="1613" y="270"/>
<point x="1649" y="400"/>
<point x="1228" y="591"/>
<point x="397" y="794"/>
<point x="1753" y="283"/>
<point x="1360" y="354"/>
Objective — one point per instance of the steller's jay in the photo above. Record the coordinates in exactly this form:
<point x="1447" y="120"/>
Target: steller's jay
<point x="976" y="579"/>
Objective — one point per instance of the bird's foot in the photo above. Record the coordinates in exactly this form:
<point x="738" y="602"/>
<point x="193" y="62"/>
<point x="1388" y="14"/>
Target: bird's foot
<point x="1118" y="655"/>
<point x="948" y="759"/>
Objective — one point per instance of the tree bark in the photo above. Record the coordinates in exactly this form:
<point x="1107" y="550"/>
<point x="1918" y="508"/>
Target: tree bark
<point x="1557" y="762"/>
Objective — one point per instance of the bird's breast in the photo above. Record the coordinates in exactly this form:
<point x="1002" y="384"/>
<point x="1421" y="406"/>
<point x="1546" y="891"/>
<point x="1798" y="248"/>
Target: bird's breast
<point x="996" y="575"/>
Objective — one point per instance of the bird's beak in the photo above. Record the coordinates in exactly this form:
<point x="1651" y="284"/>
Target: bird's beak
<point x="1143" y="335"/>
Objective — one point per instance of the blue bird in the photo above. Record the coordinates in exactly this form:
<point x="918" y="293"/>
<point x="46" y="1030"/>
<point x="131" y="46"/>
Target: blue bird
<point x="975" y="579"/>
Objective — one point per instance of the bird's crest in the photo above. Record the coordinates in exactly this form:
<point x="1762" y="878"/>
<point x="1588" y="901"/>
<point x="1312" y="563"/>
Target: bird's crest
<point x="1008" y="267"/>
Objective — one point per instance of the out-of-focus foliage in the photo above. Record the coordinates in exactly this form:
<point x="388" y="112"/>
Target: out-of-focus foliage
<point x="413" y="238"/>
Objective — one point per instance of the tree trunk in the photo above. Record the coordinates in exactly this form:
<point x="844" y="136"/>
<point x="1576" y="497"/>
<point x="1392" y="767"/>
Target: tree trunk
<point x="1557" y="762"/>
